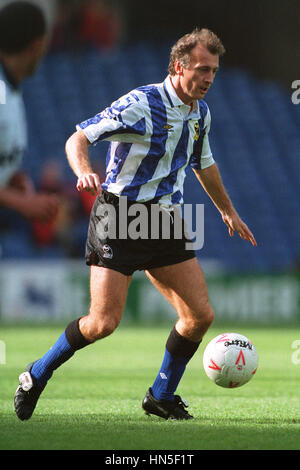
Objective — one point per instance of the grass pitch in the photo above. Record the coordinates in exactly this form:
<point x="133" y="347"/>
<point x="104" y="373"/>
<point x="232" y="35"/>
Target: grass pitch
<point x="94" y="400"/>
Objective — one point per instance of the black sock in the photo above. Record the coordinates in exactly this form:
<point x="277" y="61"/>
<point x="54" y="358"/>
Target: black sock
<point x="74" y="336"/>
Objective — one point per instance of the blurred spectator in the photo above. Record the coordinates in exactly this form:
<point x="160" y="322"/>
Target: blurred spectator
<point x="67" y="230"/>
<point x="99" y="24"/>
<point x="65" y="28"/>
<point x="51" y="182"/>
<point x="86" y="22"/>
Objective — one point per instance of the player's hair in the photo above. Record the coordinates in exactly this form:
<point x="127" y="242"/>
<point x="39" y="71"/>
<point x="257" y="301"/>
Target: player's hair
<point x="182" y="48"/>
<point x="21" y="23"/>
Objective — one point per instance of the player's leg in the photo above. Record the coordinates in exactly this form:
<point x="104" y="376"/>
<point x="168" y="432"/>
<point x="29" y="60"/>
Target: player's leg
<point x="108" y="289"/>
<point x="184" y="286"/>
<point x="108" y="296"/>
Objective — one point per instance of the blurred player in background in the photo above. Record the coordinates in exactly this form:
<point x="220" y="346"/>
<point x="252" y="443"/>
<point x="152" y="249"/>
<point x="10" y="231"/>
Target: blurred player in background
<point x="156" y="132"/>
<point x="23" y="42"/>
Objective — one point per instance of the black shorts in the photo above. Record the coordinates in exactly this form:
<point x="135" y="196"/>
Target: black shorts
<point x="113" y="241"/>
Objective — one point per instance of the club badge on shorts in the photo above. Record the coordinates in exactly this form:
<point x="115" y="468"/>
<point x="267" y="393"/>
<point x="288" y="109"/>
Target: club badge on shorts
<point x="107" y="252"/>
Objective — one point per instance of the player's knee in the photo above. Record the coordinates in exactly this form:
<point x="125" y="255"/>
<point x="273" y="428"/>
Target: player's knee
<point x="96" y="329"/>
<point x="107" y="327"/>
<point x="200" y="321"/>
<point x="209" y="316"/>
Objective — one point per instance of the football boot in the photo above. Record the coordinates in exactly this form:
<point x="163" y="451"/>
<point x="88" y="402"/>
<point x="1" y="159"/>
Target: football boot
<point x="166" y="409"/>
<point x="27" y="394"/>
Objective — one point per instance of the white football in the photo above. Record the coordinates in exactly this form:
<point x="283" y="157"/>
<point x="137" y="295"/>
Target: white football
<point x="230" y="360"/>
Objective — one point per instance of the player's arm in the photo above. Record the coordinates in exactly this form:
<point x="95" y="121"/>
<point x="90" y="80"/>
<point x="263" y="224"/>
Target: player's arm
<point x="124" y="119"/>
<point x="211" y="181"/>
<point x="78" y="157"/>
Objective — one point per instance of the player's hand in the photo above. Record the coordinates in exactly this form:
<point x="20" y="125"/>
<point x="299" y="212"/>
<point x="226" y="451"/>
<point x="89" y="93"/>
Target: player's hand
<point x="235" y="224"/>
<point x="89" y="182"/>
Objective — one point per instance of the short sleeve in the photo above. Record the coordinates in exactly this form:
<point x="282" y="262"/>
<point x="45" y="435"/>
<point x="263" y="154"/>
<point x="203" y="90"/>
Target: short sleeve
<point x="123" y="121"/>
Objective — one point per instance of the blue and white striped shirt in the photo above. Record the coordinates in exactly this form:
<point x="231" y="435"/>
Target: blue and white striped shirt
<point x="154" y="138"/>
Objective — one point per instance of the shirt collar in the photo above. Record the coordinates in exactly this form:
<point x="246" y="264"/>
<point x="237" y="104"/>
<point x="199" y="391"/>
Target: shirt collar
<point x="174" y="99"/>
<point x="9" y="78"/>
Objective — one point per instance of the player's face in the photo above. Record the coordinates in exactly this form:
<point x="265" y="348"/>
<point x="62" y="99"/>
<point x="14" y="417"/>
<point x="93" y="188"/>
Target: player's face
<point x="197" y="77"/>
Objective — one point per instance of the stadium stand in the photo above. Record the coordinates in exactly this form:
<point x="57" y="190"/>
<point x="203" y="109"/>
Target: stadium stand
<point x="254" y="138"/>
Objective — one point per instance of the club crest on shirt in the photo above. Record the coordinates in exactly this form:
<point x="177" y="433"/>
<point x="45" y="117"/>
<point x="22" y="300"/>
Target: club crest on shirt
<point x="197" y="130"/>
